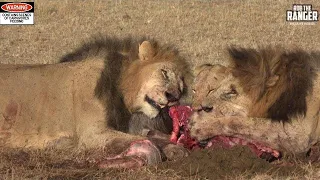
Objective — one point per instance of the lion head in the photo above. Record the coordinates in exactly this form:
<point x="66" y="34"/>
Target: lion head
<point x="263" y="83"/>
<point x="216" y="90"/>
<point x="257" y="96"/>
<point x="154" y="80"/>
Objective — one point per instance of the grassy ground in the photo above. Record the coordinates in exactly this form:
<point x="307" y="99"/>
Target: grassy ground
<point x="201" y="29"/>
<point x="235" y="163"/>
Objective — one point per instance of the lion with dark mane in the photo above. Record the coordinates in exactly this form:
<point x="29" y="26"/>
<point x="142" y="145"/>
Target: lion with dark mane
<point x="104" y="87"/>
<point x="140" y="81"/>
<point x="268" y="96"/>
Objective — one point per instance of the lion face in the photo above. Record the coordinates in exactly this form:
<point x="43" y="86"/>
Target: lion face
<point x="217" y="95"/>
<point x="163" y="87"/>
<point x="217" y="92"/>
<point x="157" y="81"/>
<point x="255" y="98"/>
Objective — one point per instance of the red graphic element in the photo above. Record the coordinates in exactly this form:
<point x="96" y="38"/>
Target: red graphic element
<point x="16" y="7"/>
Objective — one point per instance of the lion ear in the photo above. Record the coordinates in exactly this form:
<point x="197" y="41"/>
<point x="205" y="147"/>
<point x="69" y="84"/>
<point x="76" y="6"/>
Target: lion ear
<point x="146" y="51"/>
<point x="272" y="81"/>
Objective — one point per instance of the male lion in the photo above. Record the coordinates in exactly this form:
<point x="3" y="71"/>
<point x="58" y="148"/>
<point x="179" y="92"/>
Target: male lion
<point x="137" y="93"/>
<point x="80" y="103"/>
<point x="269" y="97"/>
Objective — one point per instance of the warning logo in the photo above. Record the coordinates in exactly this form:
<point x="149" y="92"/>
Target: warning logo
<point x="17" y="13"/>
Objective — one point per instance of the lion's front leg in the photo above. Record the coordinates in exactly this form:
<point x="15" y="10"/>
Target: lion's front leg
<point x="292" y="137"/>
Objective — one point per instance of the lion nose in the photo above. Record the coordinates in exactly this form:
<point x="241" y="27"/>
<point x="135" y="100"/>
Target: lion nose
<point x="171" y="96"/>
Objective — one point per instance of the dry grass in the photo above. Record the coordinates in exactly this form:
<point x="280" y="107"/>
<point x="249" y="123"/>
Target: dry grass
<point x="74" y="164"/>
<point x="59" y="164"/>
<point x="200" y="28"/>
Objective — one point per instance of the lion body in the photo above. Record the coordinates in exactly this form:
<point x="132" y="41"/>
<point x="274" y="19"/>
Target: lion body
<point x="85" y="102"/>
<point x="53" y="105"/>
<point x="269" y="95"/>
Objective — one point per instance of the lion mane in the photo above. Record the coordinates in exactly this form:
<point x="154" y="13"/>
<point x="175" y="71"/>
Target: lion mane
<point x="268" y="95"/>
<point x="126" y="69"/>
<point x="94" y="97"/>
<point x="293" y="70"/>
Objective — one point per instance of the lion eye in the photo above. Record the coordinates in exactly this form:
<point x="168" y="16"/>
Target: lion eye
<point x="164" y="74"/>
<point x="229" y="95"/>
<point x="181" y="86"/>
<point x="210" y="91"/>
<point x="233" y="92"/>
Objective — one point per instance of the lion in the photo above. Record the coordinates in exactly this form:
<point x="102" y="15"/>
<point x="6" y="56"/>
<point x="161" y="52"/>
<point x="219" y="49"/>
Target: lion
<point x="268" y="96"/>
<point x="88" y="99"/>
<point x="141" y="91"/>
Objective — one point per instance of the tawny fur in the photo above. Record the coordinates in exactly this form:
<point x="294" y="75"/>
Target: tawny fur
<point x="270" y="95"/>
<point x="129" y="62"/>
<point x="81" y="103"/>
<point x="293" y="70"/>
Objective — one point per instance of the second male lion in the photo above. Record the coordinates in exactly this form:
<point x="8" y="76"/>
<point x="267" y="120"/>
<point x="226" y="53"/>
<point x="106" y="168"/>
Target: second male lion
<point x="268" y="96"/>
